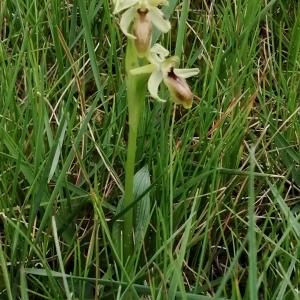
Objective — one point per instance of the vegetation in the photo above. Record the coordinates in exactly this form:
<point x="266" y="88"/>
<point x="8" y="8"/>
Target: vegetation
<point x="217" y="187"/>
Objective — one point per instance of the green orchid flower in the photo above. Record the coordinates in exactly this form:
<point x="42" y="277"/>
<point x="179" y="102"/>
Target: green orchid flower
<point x="135" y="9"/>
<point x="163" y="69"/>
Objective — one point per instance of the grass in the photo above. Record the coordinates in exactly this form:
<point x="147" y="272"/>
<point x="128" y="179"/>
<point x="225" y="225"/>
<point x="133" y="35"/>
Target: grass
<point x="216" y="187"/>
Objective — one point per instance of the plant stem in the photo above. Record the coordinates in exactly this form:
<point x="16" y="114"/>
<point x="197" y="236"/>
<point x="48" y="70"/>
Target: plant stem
<point x="135" y="99"/>
<point x="128" y="199"/>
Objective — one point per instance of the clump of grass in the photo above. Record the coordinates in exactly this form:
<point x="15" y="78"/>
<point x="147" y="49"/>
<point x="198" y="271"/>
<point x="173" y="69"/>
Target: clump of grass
<point x="206" y="200"/>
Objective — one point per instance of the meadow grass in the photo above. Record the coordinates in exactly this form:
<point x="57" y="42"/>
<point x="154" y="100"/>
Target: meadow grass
<point x="217" y="187"/>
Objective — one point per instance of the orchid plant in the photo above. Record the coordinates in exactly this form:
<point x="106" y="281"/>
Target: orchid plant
<point x="153" y="62"/>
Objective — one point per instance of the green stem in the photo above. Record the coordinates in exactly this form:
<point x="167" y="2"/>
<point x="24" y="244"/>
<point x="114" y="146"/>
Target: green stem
<point x="128" y="199"/>
<point x="136" y="86"/>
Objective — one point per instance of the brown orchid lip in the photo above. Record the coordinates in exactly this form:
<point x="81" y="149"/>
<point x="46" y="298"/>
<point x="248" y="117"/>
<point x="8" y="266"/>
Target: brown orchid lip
<point x="179" y="88"/>
<point x="182" y="97"/>
<point x="142" y="29"/>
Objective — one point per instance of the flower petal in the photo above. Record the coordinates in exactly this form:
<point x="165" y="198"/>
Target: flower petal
<point x="186" y="73"/>
<point x="157" y="54"/>
<point x="147" y="69"/>
<point x="124" y="4"/>
<point x="126" y="20"/>
<point x="159" y="49"/>
<point x="158" y="19"/>
<point x="153" y="84"/>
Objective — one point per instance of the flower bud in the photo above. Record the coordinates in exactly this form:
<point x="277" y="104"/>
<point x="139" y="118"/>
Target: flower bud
<point x="179" y="89"/>
<point x="142" y="30"/>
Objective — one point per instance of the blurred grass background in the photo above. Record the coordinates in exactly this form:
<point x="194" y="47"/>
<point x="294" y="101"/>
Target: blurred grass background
<point x="217" y="187"/>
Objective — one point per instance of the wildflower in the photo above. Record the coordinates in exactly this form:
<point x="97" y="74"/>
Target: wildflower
<point x="164" y="69"/>
<point x="142" y="13"/>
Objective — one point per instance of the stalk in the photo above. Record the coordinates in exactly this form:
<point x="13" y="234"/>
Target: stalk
<point x="136" y="88"/>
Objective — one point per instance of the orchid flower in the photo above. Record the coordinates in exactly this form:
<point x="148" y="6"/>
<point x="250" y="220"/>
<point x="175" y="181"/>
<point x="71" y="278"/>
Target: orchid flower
<point x="142" y="13"/>
<point x="163" y="68"/>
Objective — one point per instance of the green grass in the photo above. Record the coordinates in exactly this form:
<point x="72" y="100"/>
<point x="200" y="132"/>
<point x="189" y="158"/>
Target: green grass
<point x="217" y="188"/>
